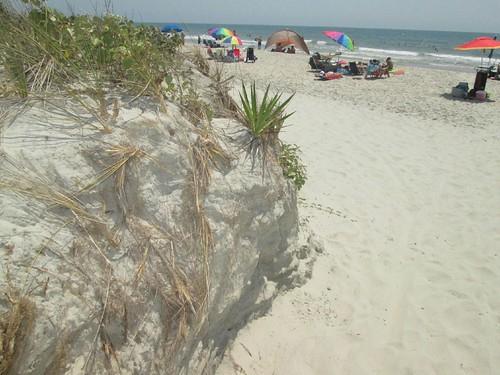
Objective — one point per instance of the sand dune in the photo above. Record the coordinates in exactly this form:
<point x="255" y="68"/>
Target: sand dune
<point x="405" y="199"/>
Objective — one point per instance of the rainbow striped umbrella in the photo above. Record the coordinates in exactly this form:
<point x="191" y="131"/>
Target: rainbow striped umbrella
<point x="220" y="32"/>
<point x="341" y="39"/>
<point x="233" y="40"/>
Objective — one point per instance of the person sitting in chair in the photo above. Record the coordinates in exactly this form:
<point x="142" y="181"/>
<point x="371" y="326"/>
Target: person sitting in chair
<point x="389" y="64"/>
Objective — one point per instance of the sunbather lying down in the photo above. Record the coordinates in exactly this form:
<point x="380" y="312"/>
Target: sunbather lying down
<point x="328" y="76"/>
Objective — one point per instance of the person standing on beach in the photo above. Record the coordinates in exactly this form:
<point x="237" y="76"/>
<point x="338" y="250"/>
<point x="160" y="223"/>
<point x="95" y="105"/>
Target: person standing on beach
<point x="199" y="40"/>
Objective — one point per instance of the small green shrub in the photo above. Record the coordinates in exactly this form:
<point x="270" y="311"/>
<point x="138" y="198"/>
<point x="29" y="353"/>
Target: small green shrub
<point x="293" y="168"/>
<point x="42" y="47"/>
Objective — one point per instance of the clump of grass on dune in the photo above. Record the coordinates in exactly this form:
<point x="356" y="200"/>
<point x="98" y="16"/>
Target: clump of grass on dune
<point x="15" y="326"/>
<point x="221" y="87"/>
<point x="200" y="61"/>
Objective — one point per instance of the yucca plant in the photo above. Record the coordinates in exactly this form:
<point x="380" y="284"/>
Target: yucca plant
<point x="267" y="117"/>
<point x="264" y="121"/>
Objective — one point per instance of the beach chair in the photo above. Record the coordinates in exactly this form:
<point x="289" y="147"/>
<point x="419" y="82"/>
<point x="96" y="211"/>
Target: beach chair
<point x="353" y="67"/>
<point x="318" y="62"/>
<point x="236" y="54"/>
<point x="376" y="70"/>
<point x="250" y="57"/>
<point x="314" y="63"/>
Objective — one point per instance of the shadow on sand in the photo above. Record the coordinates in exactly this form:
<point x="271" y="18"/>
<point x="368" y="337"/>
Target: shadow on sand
<point x="467" y="100"/>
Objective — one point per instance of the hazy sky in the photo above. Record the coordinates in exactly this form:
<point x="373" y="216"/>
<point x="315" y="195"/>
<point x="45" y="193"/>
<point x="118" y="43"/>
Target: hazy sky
<point x="457" y="15"/>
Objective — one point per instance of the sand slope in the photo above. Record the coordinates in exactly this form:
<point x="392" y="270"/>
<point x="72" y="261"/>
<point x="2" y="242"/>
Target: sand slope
<point x="409" y="212"/>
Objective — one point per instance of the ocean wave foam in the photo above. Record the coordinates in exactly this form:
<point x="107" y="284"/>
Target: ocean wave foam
<point x="455" y="57"/>
<point x="388" y="51"/>
<point x="195" y="37"/>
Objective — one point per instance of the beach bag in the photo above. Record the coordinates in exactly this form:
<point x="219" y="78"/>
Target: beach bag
<point x="464" y="86"/>
<point x="481" y="95"/>
<point x="458" y="92"/>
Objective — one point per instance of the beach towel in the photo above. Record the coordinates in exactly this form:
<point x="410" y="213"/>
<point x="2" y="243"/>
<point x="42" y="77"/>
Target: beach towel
<point x="329" y="76"/>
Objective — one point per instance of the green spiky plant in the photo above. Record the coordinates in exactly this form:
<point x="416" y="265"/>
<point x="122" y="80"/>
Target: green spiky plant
<point x="264" y="120"/>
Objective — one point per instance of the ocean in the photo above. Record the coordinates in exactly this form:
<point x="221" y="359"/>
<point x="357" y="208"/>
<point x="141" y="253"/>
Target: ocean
<point x="405" y="47"/>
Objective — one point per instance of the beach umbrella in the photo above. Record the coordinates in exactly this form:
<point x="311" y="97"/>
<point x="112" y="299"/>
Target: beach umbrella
<point x="343" y="39"/>
<point x="170" y="27"/>
<point x="287" y="37"/>
<point x="233" y="40"/>
<point x="481" y="43"/>
<point x="220" y="32"/>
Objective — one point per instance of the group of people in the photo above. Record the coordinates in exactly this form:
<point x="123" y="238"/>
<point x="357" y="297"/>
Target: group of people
<point x="214" y="44"/>
<point x="388" y="65"/>
<point x="280" y="48"/>
<point x="232" y="55"/>
<point x="334" y="70"/>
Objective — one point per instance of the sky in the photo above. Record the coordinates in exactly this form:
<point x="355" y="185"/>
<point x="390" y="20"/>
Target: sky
<point x="446" y="15"/>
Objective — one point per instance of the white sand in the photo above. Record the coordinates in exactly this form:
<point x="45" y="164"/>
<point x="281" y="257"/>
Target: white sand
<point x="403" y="189"/>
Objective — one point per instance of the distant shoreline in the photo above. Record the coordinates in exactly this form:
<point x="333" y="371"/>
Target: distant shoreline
<point x="326" y="27"/>
<point x="431" y="49"/>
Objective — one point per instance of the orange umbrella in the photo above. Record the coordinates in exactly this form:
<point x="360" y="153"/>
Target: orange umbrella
<point x="480" y="43"/>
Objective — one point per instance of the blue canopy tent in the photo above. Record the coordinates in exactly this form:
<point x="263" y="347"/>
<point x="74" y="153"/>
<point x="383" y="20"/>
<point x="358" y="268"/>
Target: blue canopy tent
<point x="171" y="27"/>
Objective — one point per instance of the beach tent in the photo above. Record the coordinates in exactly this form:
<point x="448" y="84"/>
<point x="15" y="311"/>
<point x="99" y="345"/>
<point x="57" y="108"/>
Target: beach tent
<point x="171" y="27"/>
<point x="285" y="38"/>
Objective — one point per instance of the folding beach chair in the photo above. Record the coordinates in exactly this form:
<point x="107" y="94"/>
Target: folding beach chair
<point x="375" y="70"/>
<point x="250" y="55"/>
<point x="353" y="67"/>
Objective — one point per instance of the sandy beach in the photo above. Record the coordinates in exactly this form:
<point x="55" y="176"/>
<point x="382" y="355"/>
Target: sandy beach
<point x="153" y="212"/>
<point x="403" y="192"/>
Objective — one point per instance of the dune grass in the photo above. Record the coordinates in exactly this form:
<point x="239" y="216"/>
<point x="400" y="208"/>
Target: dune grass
<point x="42" y="49"/>
<point x="16" y="324"/>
